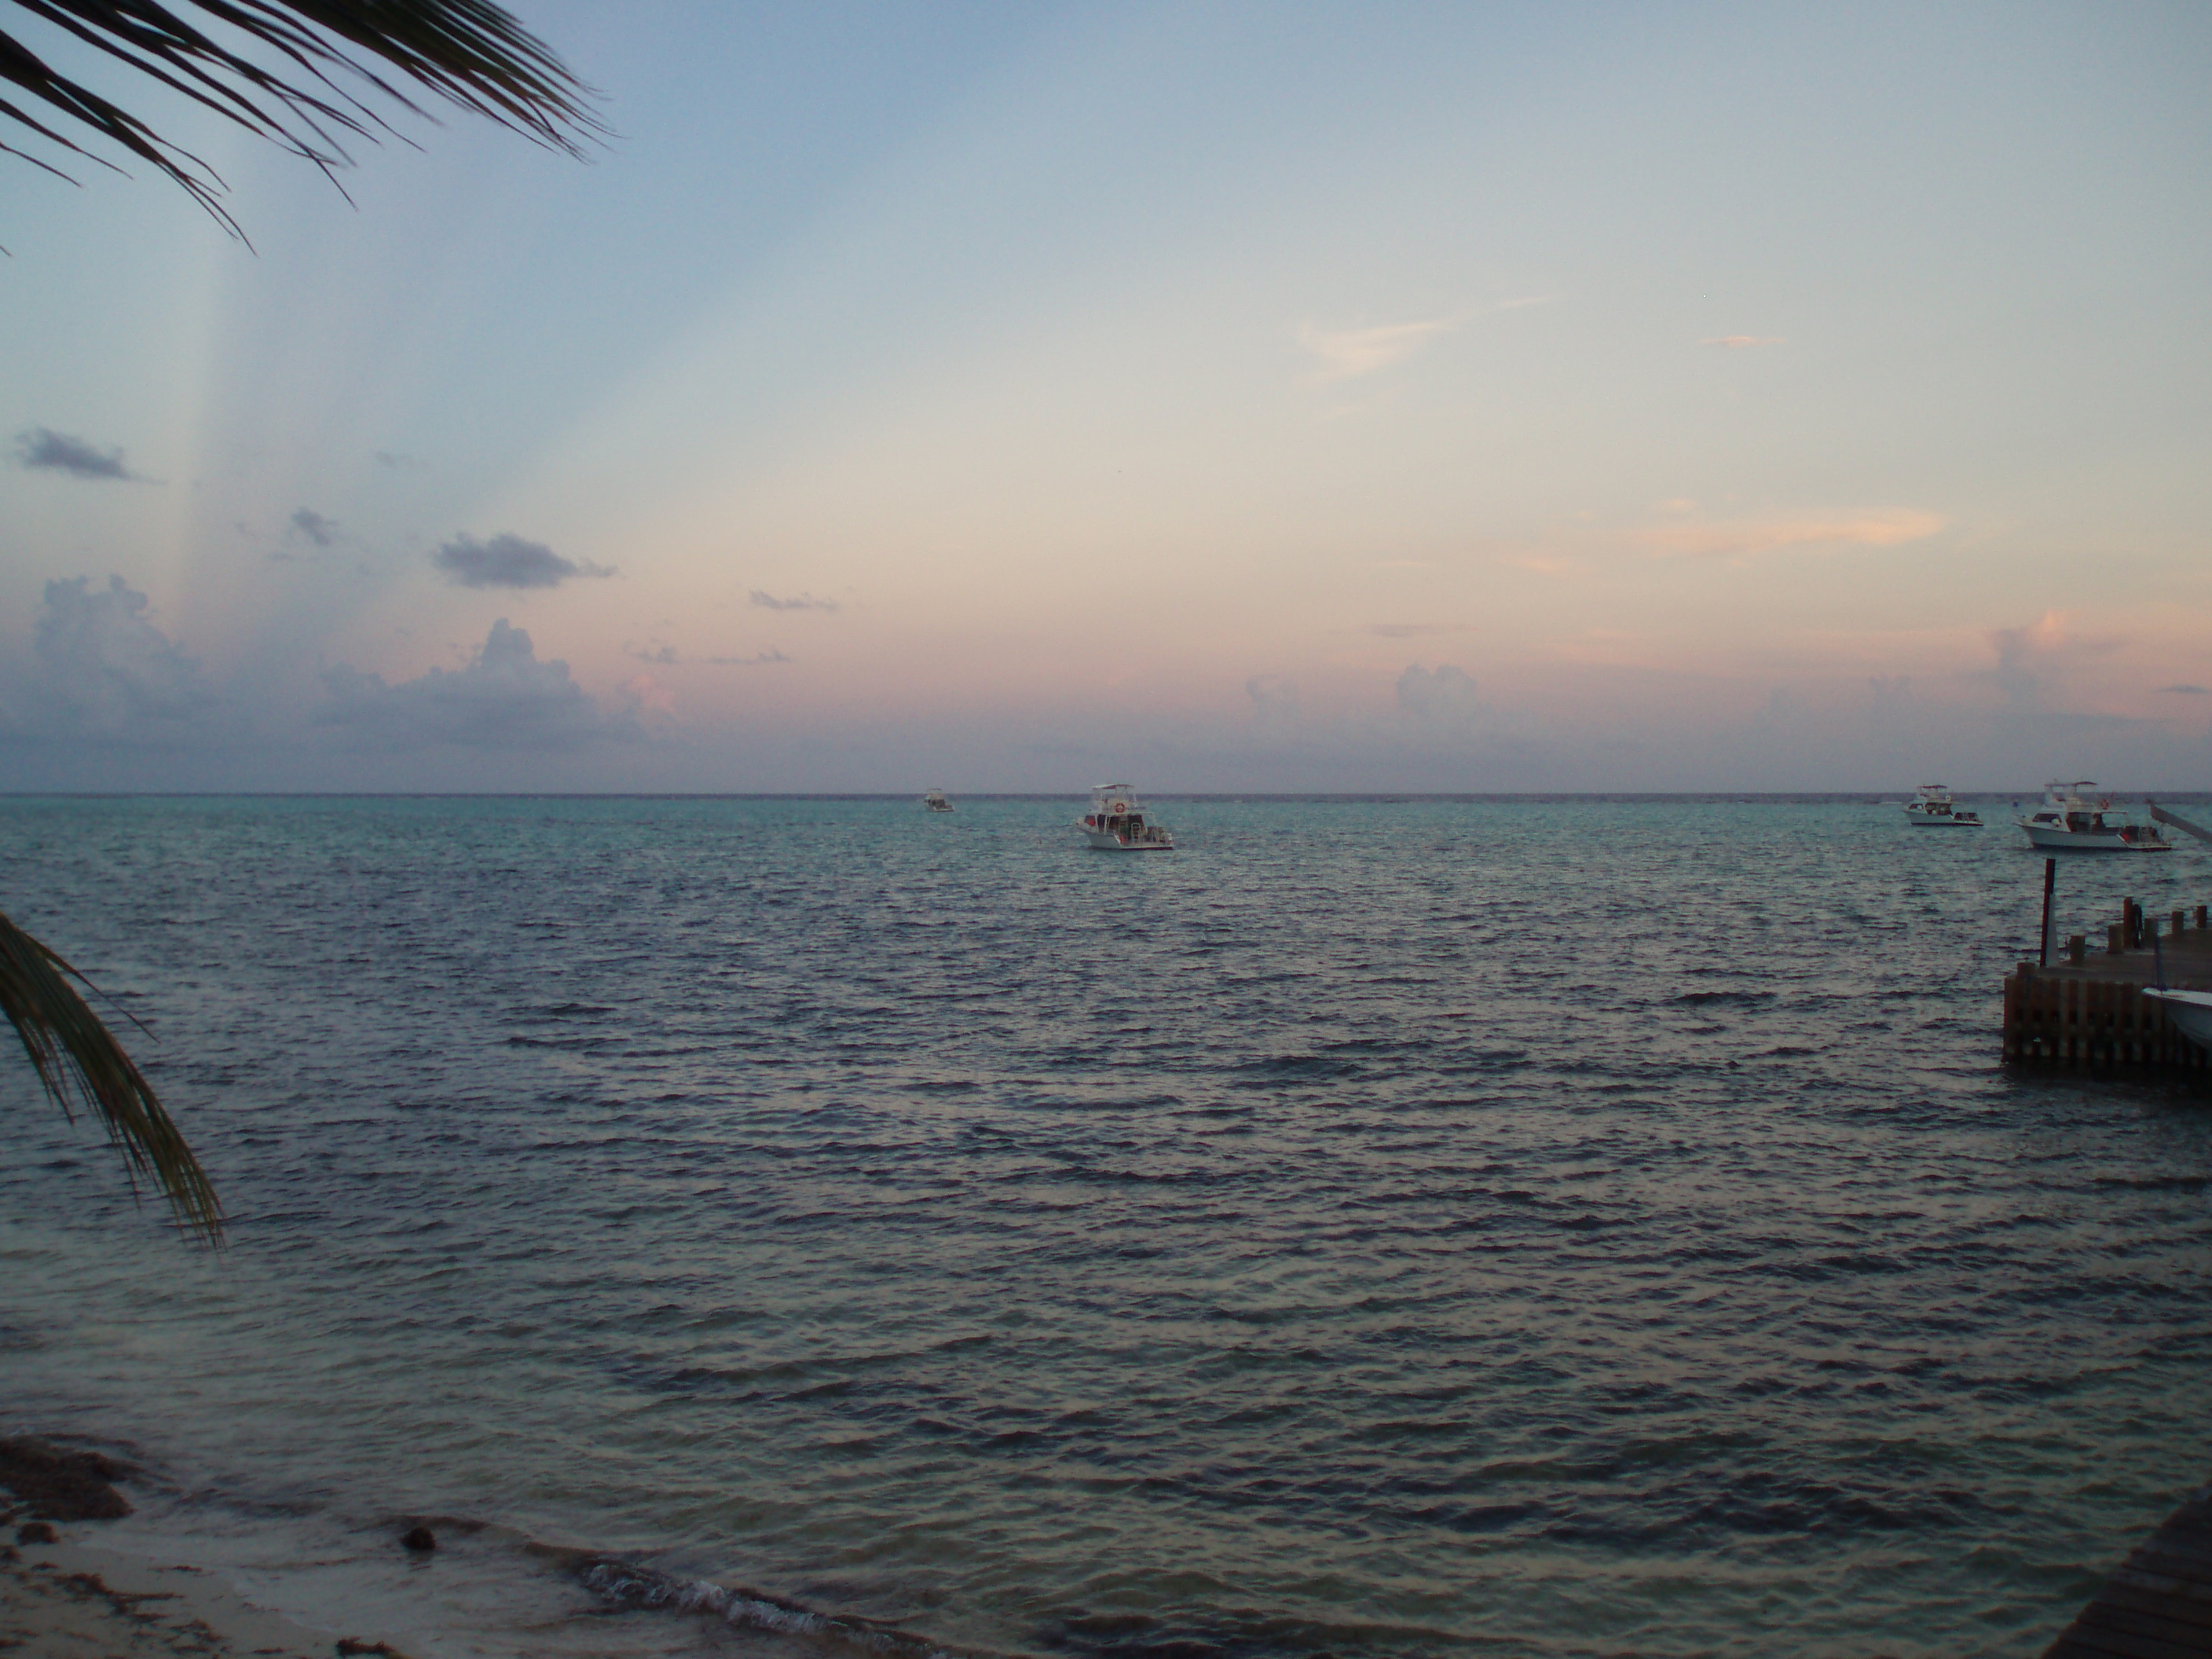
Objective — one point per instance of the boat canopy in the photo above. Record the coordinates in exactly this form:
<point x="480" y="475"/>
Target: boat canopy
<point x="1115" y="800"/>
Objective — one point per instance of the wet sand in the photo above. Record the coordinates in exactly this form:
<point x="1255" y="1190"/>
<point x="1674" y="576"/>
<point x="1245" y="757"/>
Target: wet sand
<point x="74" y="1599"/>
<point x="64" y="1595"/>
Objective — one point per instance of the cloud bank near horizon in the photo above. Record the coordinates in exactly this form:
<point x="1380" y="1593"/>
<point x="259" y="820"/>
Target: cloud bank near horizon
<point x="102" y="670"/>
<point x="504" y="699"/>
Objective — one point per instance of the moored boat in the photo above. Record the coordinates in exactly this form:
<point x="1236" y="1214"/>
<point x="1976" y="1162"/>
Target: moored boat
<point x="933" y="800"/>
<point x="1117" y="823"/>
<point x="2070" y="821"/>
<point x="2190" y="1012"/>
<point x="1933" y="808"/>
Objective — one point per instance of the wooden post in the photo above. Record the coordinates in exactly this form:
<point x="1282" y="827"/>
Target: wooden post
<point x="2204" y="916"/>
<point x="2077" y="948"/>
<point x="2116" y="939"/>
<point x="2180" y="922"/>
<point x="2043" y="938"/>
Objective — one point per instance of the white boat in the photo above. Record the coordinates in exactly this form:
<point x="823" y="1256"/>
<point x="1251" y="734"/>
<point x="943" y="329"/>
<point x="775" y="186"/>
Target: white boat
<point x="933" y="800"/>
<point x="1115" y="823"/>
<point x="1933" y="808"/>
<point x="2070" y="821"/>
<point x="2190" y="1011"/>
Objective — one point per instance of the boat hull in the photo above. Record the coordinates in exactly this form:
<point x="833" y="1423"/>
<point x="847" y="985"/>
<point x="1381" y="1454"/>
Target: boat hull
<point x="2189" y="1012"/>
<point x="1105" y="840"/>
<point x="2050" y="839"/>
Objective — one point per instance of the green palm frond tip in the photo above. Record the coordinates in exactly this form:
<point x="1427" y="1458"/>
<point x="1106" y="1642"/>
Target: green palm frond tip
<point x="80" y="1064"/>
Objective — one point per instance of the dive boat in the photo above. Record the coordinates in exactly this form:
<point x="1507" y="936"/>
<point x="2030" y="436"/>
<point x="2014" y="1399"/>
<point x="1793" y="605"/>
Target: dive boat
<point x="1115" y="823"/>
<point x="933" y="800"/>
<point x="2070" y="821"/>
<point x="1933" y="808"/>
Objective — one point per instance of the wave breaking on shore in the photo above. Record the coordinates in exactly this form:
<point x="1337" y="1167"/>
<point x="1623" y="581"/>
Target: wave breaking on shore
<point x="625" y="1584"/>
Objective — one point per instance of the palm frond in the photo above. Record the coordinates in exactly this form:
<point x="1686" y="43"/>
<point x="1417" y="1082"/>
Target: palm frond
<point x="471" y="53"/>
<point x="80" y="1064"/>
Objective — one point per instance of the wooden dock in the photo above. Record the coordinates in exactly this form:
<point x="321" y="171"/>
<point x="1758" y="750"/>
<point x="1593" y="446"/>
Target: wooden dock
<point x="2086" y="1007"/>
<point x="2158" y="1602"/>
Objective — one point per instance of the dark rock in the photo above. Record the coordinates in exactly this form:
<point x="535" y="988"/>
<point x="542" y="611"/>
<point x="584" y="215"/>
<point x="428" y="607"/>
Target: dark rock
<point x="57" y="1484"/>
<point x="419" y="1539"/>
<point x="37" y="1532"/>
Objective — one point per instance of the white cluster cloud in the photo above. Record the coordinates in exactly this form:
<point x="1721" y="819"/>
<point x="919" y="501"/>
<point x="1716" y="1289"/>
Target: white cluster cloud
<point x="104" y="669"/>
<point x="505" y="698"/>
<point x="1441" y="701"/>
<point x="2035" y="659"/>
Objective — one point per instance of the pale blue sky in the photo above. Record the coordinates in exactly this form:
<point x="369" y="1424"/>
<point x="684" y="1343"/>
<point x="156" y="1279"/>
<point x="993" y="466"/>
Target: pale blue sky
<point x="1441" y="397"/>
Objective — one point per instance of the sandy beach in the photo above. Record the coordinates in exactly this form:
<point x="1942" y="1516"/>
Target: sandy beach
<point x="74" y="1599"/>
<point x="64" y="1595"/>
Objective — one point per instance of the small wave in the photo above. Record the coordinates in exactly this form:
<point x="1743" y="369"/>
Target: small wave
<point x="1240" y="1633"/>
<point x="624" y="1584"/>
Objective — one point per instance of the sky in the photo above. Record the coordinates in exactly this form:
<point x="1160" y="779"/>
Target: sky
<point x="1224" y="398"/>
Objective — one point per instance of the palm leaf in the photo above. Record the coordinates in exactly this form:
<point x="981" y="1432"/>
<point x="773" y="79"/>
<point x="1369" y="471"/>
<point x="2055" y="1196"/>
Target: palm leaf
<point x="470" y="53"/>
<point x="80" y="1064"/>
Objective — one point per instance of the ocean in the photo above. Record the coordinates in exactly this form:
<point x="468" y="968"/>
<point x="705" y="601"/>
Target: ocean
<point x="1392" y="1227"/>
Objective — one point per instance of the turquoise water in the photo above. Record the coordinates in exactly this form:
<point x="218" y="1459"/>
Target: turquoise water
<point x="1561" y="1227"/>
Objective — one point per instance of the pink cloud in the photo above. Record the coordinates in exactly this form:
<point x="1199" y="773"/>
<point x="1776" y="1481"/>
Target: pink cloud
<point x="649" y="693"/>
<point x="1347" y="354"/>
<point x="1744" y="540"/>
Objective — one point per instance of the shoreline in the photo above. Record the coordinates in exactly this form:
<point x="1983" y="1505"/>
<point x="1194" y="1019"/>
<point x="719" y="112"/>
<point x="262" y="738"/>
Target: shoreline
<point x="66" y="1592"/>
<point x="71" y="1587"/>
<point x="73" y="1599"/>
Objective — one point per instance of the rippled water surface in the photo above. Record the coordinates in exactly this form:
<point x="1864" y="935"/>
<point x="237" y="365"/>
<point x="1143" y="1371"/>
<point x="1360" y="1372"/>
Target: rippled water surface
<point x="1393" y="1227"/>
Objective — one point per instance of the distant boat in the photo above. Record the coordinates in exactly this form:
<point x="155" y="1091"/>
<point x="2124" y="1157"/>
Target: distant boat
<point x="1933" y="808"/>
<point x="2070" y="821"/>
<point x="934" y="800"/>
<point x="1115" y="823"/>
